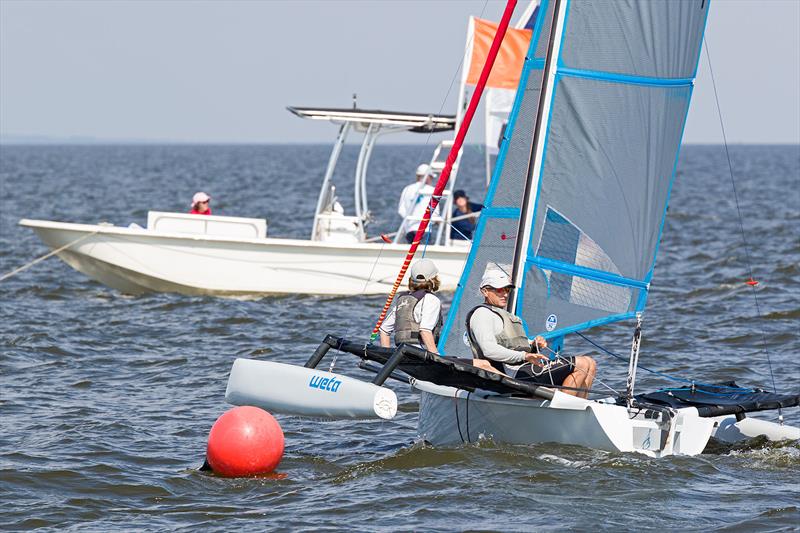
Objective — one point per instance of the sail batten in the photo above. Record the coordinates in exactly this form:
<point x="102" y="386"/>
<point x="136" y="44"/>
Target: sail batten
<point x="602" y="166"/>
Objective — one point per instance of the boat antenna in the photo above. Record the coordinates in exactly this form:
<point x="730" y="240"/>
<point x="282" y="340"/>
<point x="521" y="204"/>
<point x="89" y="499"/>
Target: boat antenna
<point x="451" y="158"/>
<point x="751" y="281"/>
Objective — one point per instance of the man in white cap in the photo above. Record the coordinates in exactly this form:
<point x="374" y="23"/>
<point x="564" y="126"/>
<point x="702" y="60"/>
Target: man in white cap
<point x="413" y="201"/>
<point x="416" y="317"/>
<point x="499" y="343"/>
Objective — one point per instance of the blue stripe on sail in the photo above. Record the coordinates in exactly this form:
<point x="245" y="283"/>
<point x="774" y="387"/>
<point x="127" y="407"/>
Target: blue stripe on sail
<point x="500" y="212"/>
<point x="624" y="78"/>
<point x="489" y="211"/>
<point x="512" y="120"/>
<point x="586" y="325"/>
<point x="587" y="273"/>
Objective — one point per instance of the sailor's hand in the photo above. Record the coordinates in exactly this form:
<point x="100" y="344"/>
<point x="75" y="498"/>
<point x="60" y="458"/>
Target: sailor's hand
<point x="539" y="342"/>
<point x="536" y="359"/>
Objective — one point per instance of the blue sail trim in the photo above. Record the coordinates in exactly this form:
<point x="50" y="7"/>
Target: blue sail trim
<point x="489" y="211"/>
<point x="586" y="325"/>
<point x="587" y="273"/>
<point x="500" y="212"/>
<point x="624" y="78"/>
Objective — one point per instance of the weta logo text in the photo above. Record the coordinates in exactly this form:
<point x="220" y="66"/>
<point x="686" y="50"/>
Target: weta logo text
<point x="328" y="384"/>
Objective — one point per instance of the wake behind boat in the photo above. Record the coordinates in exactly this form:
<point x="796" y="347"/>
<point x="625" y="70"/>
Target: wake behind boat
<point x="574" y="215"/>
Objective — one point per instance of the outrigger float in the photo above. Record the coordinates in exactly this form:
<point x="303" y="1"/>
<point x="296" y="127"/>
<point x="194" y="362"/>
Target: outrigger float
<point x="574" y="212"/>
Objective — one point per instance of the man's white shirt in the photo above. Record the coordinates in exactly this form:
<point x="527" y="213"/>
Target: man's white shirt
<point x="413" y="201"/>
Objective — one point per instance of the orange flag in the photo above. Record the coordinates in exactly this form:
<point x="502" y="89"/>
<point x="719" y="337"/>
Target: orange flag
<point x="508" y="65"/>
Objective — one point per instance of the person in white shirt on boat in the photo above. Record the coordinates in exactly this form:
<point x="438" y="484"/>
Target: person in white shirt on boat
<point x="416" y="317"/>
<point x="413" y="201"/>
<point x="499" y="343"/>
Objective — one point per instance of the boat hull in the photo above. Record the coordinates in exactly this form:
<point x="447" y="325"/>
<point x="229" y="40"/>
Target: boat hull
<point x="450" y="416"/>
<point x="137" y="260"/>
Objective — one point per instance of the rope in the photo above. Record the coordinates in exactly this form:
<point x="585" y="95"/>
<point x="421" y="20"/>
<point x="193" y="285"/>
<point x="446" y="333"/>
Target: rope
<point x="662" y="374"/>
<point x="741" y="222"/>
<point x="45" y="256"/>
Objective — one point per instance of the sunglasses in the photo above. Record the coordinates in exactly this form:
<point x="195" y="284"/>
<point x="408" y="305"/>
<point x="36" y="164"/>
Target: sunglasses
<point x="501" y="290"/>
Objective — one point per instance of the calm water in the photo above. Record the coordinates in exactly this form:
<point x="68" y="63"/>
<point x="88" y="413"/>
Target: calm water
<point x="107" y="400"/>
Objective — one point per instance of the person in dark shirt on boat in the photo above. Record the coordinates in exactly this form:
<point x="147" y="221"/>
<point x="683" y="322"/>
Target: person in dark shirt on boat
<point x="499" y="343"/>
<point x="416" y="317"/>
<point x="201" y="204"/>
<point x="464" y="228"/>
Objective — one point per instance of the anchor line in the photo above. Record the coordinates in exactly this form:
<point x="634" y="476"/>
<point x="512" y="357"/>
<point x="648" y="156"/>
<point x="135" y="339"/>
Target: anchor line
<point x="741" y="224"/>
<point x="45" y="256"/>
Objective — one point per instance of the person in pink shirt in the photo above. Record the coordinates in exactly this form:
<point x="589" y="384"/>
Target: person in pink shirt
<point x="200" y="204"/>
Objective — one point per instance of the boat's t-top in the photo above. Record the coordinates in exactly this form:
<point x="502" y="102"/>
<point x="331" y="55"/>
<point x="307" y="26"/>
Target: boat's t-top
<point x="330" y="222"/>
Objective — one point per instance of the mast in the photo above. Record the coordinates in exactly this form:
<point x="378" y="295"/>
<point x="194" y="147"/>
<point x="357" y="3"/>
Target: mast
<point x="525" y="227"/>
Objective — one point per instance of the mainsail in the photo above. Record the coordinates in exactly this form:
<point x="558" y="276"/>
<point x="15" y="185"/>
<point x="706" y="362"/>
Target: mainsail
<point x="580" y="192"/>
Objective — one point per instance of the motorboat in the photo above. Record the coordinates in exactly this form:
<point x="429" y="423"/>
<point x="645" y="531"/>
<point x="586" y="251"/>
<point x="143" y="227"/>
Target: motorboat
<point x="234" y="256"/>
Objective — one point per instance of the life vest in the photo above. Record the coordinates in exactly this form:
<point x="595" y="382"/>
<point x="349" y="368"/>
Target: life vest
<point x="406" y="329"/>
<point x="512" y="336"/>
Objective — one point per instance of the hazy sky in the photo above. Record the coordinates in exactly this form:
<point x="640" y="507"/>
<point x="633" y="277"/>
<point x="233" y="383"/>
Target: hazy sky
<point x="225" y="71"/>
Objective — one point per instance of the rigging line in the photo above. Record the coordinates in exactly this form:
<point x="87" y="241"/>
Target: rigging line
<point x="50" y="254"/>
<point x="739" y="213"/>
<point x="595" y="378"/>
<point x="662" y="374"/>
<point x="363" y="290"/>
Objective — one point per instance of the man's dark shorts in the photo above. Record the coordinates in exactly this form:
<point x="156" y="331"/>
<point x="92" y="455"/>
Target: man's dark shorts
<point x="553" y="373"/>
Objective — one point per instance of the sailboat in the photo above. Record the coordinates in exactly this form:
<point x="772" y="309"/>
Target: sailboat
<point x="574" y="213"/>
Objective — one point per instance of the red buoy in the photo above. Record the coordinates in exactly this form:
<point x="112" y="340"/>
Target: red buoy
<point x="245" y="441"/>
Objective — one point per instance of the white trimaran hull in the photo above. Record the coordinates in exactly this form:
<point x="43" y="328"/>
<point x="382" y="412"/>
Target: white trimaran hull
<point x="450" y="416"/>
<point x="137" y="260"/>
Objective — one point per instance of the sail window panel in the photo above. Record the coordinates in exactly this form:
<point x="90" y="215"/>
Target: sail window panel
<point x="608" y="165"/>
<point x="554" y="301"/>
<point x="588" y="293"/>
<point x="647" y="38"/>
<point x="564" y="241"/>
<point x="511" y="184"/>
<point x="495" y="250"/>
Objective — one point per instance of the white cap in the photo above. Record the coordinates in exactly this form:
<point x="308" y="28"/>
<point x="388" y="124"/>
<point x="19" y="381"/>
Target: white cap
<point x="423" y="270"/>
<point x="423" y="170"/>
<point x="496" y="278"/>
<point x="200" y="197"/>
